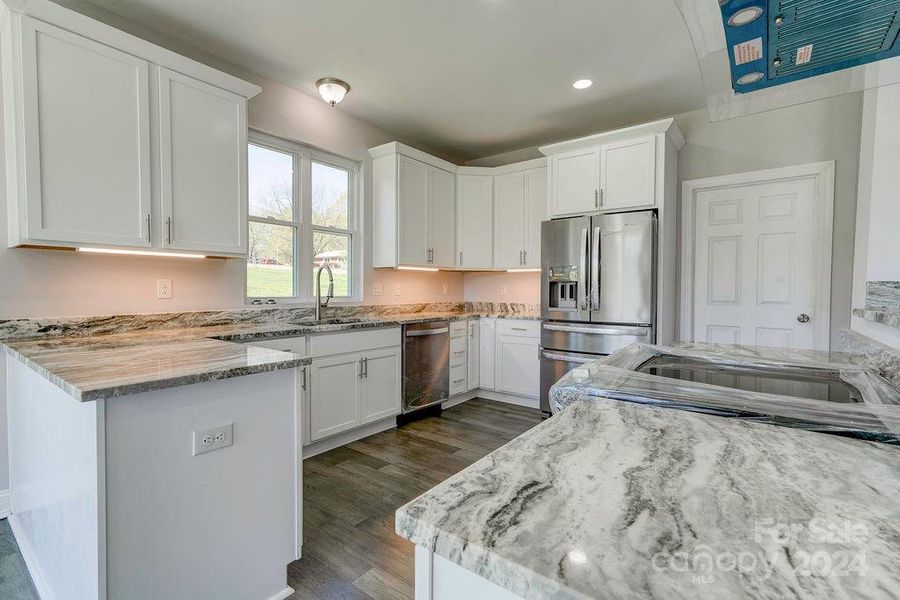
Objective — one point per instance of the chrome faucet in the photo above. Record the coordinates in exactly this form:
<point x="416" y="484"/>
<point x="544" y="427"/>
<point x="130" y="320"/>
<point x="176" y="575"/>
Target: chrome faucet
<point x="329" y="296"/>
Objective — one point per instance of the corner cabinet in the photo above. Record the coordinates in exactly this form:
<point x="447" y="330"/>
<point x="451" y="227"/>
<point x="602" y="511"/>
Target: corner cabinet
<point x="414" y="220"/>
<point x="474" y="221"/>
<point x="114" y="142"/>
<point x="520" y="201"/>
<point x="616" y="170"/>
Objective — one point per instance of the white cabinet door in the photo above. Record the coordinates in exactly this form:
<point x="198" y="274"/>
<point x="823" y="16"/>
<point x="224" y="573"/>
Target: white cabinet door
<point x="381" y="384"/>
<point x="509" y="220"/>
<point x="335" y="395"/>
<point x="628" y="174"/>
<point x="203" y="166"/>
<point x="517" y="365"/>
<point x="442" y="207"/>
<point x="486" y="354"/>
<point x="86" y="139"/>
<point x="535" y="213"/>
<point x="575" y="181"/>
<point x="475" y="221"/>
<point x="413" y="212"/>
<point x="473" y="341"/>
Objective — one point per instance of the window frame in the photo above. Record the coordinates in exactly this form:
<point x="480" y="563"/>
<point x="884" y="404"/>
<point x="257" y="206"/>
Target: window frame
<point x="303" y="272"/>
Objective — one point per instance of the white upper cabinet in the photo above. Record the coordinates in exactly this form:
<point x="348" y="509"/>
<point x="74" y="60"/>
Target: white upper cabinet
<point x="413" y="213"/>
<point x="628" y="173"/>
<point x="442" y="222"/>
<point x="85" y="104"/>
<point x="535" y="213"/>
<point x="203" y="166"/>
<point x="612" y="171"/>
<point x="575" y="179"/>
<point x="474" y="221"/>
<point x="85" y="173"/>
<point x="509" y="220"/>
<point x="414" y="220"/>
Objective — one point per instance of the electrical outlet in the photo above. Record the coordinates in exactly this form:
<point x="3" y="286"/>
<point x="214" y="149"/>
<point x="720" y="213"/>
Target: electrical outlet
<point x="164" y="289"/>
<point x="398" y="289"/>
<point x="504" y="289"/>
<point x="377" y="288"/>
<point x="446" y="288"/>
<point x="213" y="438"/>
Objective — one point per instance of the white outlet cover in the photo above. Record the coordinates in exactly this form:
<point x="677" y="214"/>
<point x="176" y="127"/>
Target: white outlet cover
<point x="504" y="289"/>
<point x="377" y="288"/>
<point x="164" y="289"/>
<point x="213" y="438"/>
<point x="398" y="289"/>
<point x="446" y="288"/>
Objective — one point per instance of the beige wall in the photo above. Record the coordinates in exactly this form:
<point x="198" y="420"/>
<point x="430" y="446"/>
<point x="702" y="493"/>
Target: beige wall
<point x="520" y="287"/>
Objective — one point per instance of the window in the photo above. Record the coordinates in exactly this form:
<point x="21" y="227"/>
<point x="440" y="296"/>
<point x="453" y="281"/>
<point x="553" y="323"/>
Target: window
<point x="303" y="215"/>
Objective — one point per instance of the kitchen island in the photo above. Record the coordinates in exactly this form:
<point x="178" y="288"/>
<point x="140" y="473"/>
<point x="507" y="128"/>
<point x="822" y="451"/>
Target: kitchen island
<point x="612" y="499"/>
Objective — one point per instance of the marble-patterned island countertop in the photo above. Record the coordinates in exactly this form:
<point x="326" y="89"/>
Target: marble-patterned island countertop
<point x="92" y="367"/>
<point x="610" y="499"/>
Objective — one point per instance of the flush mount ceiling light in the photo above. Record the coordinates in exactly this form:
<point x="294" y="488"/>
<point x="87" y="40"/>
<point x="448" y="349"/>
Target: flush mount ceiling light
<point x="745" y="16"/>
<point x="750" y="78"/>
<point x="332" y="90"/>
<point x="582" y="84"/>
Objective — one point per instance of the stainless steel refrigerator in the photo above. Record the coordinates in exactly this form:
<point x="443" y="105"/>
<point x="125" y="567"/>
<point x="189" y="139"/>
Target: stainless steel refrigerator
<point x="598" y="289"/>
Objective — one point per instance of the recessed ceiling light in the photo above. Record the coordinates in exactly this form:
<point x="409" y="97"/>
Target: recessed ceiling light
<point x="750" y="78"/>
<point x="745" y="16"/>
<point x="582" y="84"/>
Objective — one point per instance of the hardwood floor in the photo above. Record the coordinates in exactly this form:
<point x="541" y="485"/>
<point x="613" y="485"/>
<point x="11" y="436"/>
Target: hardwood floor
<point x="350" y="495"/>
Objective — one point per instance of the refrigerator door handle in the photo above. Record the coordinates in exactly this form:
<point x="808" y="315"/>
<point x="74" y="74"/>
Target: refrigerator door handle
<point x="595" y="271"/>
<point x="611" y="330"/>
<point x="582" y="269"/>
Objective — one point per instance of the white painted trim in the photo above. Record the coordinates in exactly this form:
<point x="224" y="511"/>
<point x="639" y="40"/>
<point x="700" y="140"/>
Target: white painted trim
<point x="508" y="398"/>
<point x="424" y="573"/>
<point x="823" y="172"/>
<point x="408" y="151"/>
<point x="282" y="594"/>
<point x="4" y="504"/>
<point x="346" y="437"/>
<point x="459" y="399"/>
<point x="534" y="163"/>
<point x="37" y="578"/>
<point x="667" y="126"/>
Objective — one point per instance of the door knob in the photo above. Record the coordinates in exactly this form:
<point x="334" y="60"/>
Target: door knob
<point x="803" y="318"/>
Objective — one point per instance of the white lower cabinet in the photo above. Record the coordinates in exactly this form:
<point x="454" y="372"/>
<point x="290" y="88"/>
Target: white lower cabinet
<point x="473" y="341"/>
<point x="335" y="395"/>
<point x="517" y="365"/>
<point x="380" y="384"/>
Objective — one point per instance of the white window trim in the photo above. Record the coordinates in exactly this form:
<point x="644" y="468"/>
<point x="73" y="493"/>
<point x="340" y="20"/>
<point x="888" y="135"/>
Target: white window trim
<point x="303" y="278"/>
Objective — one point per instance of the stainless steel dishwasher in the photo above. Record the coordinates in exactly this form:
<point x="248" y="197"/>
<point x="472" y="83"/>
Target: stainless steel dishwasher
<point x="426" y="364"/>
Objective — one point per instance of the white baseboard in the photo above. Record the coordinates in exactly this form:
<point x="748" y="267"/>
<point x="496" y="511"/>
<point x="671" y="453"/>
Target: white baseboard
<point x="346" y="437"/>
<point x="508" y="398"/>
<point x="4" y="504"/>
<point x="459" y="399"/>
<point x="40" y="585"/>
<point x="282" y="594"/>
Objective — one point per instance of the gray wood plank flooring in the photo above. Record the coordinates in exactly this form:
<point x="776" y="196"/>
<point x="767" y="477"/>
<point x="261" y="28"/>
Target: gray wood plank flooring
<point x="350" y="494"/>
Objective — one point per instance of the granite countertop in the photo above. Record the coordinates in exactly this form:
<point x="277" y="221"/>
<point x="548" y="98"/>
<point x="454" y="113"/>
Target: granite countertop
<point x="611" y="499"/>
<point x="876" y="415"/>
<point x="94" y="367"/>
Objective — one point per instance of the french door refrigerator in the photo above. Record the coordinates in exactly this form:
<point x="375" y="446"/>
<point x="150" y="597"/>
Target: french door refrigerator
<point x="598" y="289"/>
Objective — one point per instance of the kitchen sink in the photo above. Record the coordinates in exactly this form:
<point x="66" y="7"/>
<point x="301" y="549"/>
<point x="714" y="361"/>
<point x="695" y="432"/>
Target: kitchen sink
<point x="329" y="321"/>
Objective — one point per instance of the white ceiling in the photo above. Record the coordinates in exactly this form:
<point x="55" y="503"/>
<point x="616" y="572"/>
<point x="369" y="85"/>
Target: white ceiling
<point x="470" y="78"/>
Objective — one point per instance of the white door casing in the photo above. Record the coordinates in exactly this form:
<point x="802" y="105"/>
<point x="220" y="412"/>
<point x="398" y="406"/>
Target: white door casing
<point x="756" y="257"/>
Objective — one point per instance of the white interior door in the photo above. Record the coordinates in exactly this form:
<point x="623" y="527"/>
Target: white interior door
<point x="757" y="265"/>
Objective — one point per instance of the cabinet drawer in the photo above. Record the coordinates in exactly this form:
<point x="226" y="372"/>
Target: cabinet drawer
<point x="458" y="381"/>
<point x="457" y="329"/>
<point x="530" y="329"/>
<point x="458" y="351"/>
<point x="297" y="345"/>
<point x="326" y="344"/>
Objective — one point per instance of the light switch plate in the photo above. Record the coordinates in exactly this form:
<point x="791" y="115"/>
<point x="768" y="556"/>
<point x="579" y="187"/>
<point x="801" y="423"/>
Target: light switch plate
<point x="164" y="289"/>
<point x="214" y="438"/>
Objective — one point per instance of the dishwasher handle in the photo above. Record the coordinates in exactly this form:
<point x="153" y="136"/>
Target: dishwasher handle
<point x="424" y="332"/>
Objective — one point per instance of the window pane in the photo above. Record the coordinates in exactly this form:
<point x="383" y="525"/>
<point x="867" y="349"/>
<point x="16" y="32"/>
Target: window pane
<point x="330" y="193"/>
<point x="270" y="179"/>
<point x="270" y="265"/>
<point x="332" y="250"/>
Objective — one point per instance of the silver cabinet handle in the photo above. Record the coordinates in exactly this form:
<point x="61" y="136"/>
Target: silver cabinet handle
<point x="303" y="379"/>
<point x="524" y="257"/>
<point x="458" y="380"/>
<point x="366" y="367"/>
<point x="149" y="241"/>
<point x="360" y="368"/>
<point x="421" y="332"/>
<point x="459" y="352"/>
<point x="519" y="328"/>
<point x="596" y="198"/>
<point x="460" y="258"/>
<point x="168" y="230"/>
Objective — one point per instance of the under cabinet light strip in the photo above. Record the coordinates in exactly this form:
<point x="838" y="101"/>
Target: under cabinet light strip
<point x="141" y="253"/>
